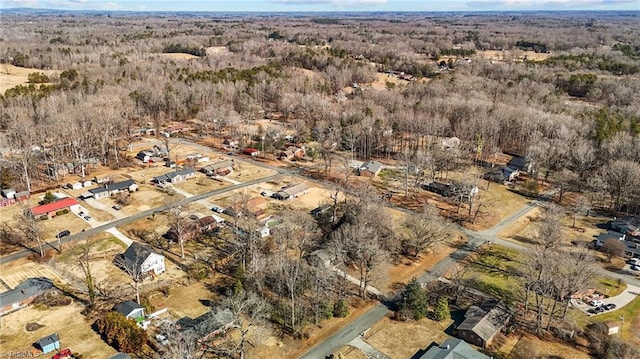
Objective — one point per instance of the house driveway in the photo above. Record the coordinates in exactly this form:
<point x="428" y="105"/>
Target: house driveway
<point x="619" y="300"/>
<point x="113" y="230"/>
<point x="367" y="349"/>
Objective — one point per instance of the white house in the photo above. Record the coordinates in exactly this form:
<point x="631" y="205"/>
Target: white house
<point x="142" y="260"/>
<point x="130" y="309"/>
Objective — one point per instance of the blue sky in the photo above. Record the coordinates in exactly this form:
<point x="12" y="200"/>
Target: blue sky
<point x="326" y="5"/>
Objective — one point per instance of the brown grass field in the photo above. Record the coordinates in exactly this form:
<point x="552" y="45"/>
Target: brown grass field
<point x="12" y="76"/>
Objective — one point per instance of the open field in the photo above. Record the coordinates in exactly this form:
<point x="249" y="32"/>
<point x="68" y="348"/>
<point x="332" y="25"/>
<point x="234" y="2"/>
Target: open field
<point x="524" y="344"/>
<point x="177" y="56"/>
<point x="74" y="330"/>
<point x="512" y="55"/>
<point x="630" y="330"/>
<point x="201" y="184"/>
<point x="184" y="299"/>
<point x="12" y="76"/>
<point x="399" y="340"/>
<point x="217" y="51"/>
<point x="495" y="270"/>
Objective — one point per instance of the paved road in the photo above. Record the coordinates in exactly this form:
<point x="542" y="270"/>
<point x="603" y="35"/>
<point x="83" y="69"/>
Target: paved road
<point x="123" y="221"/>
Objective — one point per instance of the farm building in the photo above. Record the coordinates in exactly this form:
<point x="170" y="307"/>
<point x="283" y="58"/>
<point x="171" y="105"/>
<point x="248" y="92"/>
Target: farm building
<point x="370" y="169"/>
<point x="24" y="294"/>
<point x="49" y="343"/>
<point x="221" y="168"/>
<point x="290" y="191"/>
<point x="175" y="176"/>
<point x="111" y="189"/>
<point x="142" y="259"/>
<point x="8" y="193"/>
<point x="53" y="208"/>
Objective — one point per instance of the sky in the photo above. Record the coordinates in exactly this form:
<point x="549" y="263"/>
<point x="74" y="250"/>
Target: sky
<point x="326" y="5"/>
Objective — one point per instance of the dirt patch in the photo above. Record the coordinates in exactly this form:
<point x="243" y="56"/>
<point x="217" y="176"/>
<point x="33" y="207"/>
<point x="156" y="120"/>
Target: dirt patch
<point x="178" y="56"/>
<point x="32" y="327"/>
<point x="12" y="76"/>
<point x="217" y="51"/>
<point x="399" y="339"/>
<point x="74" y="330"/>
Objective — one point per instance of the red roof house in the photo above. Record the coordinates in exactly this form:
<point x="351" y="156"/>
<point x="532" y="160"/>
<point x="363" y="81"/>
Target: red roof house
<point x="250" y="151"/>
<point x="50" y="209"/>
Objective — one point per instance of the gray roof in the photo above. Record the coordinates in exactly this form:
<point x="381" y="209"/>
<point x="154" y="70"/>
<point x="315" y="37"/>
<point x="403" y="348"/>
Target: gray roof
<point x="29" y="288"/>
<point x="371" y="166"/>
<point x="208" y="322"/>
<point x="125" y="308"/>
<point x="222" y="164"/>
<point x="519" y="163"/>
<point x="48" y="340"/>
<point x="136" y="254"/>
<point x="120" y="356"/>
<point x="453" y="349"/>
<point x="117" y="186"/>
<point x="485" y="321"/>
<point x="294" y="188"/>
<point x="173" y="174"/>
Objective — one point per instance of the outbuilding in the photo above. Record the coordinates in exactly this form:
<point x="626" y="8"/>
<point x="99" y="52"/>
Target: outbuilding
<point x="49" y="343"/>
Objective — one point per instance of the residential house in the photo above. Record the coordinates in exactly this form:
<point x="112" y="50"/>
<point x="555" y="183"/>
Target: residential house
<point x="370" y="169"/>
<point x="8" y="193"/>
<point x="633" y="246"/>
<point x="145" y="156"/>
<point x="230" y="144"/>
<point x="452" y="349"/>
<point x="520" y="163"/>
<point x="482" y="323"/>
<point x="52" y="209"/>
<point x="208" y="324"/>
<point x="320" y="210"/>
<point x="254" y="206"/>
<point x="75" y="186"/>
<point x="22" y="195"/>
<point x="292" y="190"/>
<point x="145" y="131"/>
<point x="101" y="180"/>
<point x="193" y="229"/>
<point x="142" y="260"/>
<point x="49" y="343"/>
<point x="251" y="152"/>
<point x="111" y="189"/>
<point x="175" y="176"/>
<point x="503" y="174"/>
<point x="453" y="189"/>
<point x="120" y="356"/>
<point x="221" y="168"/>
<point x="24" y="294"/>
<point x="177" y="128"/>
<point x="130" y="309"/>
<point x="291" y="152"/>
<point x="630" y="226"/>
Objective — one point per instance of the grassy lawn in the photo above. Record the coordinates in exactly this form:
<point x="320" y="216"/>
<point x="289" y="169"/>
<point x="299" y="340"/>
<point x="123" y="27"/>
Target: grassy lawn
<point x="495" y="271"/>
<point x="630" y="332"/>
<point x="609" y="286"/>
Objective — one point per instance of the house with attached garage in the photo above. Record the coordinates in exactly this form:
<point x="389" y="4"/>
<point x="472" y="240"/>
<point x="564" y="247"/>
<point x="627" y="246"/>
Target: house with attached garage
<point x="290" y="191"/>
<point x="175" y="176"/>
<point x="111" y="189"/>
<point x="141" y="260"/>
<point x="24" y="294"/>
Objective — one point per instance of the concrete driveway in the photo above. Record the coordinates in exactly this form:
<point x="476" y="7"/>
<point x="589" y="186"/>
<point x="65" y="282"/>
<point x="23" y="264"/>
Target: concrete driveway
<point x="619" y="300"/>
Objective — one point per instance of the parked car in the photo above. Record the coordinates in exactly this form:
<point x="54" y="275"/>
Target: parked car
<point x="596" y="310"/>
<point x="117" y="207"/>
<point x="64" y="233"/>
<point x="596" y="303"/>
<point x="609" y="306"/>
<point x="64" y="353"/>
<point x="635" y="267"/>
<point x="88" y="218"/>
<point x="162" y="339"/>
<point x="217" y="209"/>
<point x="81" y="214"/>
<point x="633" y="261"/>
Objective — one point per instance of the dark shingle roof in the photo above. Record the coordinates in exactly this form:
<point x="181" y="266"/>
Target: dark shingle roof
<point x="120" y="356"/>
<point x="485" y="321"/>
<point x="125" y="308"/>
<point x="171" y="175"/>
<point x="208" y="322"/>
<point x="117" y="186"/>
<point x="453" y="349"/>
<point x="29" y="288"/>
<point x="136" y="254"/>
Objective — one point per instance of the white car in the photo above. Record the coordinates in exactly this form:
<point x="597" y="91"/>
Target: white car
<point x="596" y="303"/>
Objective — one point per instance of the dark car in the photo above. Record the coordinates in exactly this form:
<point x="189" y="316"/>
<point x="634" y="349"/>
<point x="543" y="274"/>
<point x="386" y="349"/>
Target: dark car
<point x="609" y="306"/>
<point x="117" y="207"/>
<point x="596" y="310"/>
<point x="63" y="234"/>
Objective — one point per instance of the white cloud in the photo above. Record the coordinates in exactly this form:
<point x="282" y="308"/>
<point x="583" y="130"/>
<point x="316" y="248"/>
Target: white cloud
<point x="19" y="3"/>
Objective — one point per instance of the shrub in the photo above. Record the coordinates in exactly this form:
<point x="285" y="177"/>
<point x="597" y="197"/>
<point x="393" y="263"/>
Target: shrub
<point x="44" y="217"/>
<point x="65" y="211"/>
<point x="121" y="333"/>
<point x="341" y="309"/>
<point x="441" y="312"/>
